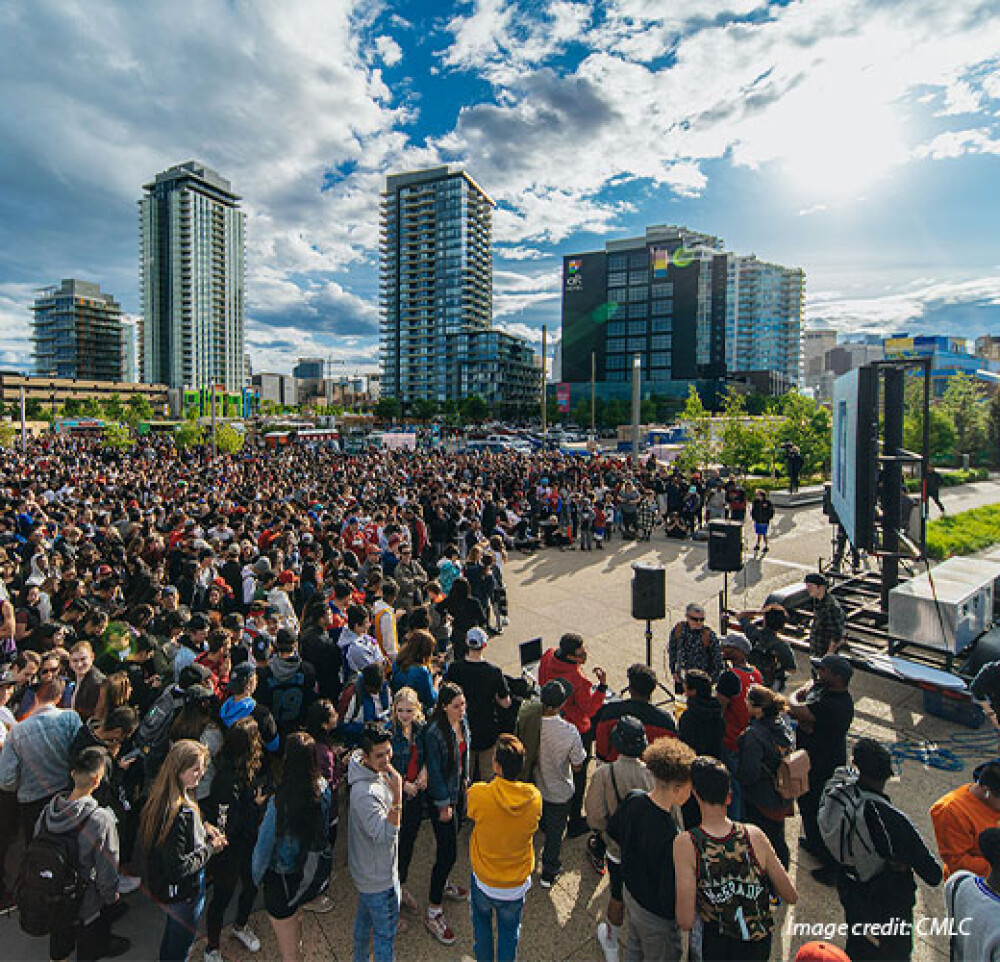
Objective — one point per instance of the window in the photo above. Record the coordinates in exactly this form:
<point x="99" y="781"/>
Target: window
<point x="616" y="310"/>
<point x="638" y="259"/>
<point x="662" y="308"/>
<point x="663" y="290"/>
<point x="661" y="341"/>
<point x="618" y="294"/>
<point x="637" y="310"/>
<point x="615" y="362"/>
<point x="638" y="277"/>
<point x="616" y="345"/>
<point x="659" y="359"/>
<point x="638" y="293"/>
<point x="637" y="343"/>
<point x="616" y="328"/>
<point x="617" y="279"/>
<point x="617" y="262"/>
<point x="662" y="325"/>
<point x="637" y="327"/>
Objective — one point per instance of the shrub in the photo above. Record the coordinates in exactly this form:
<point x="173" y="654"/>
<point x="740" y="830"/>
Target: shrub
<point x="964" y="533"/>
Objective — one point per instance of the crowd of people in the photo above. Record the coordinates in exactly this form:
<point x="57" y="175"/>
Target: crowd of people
<point x="209" y="664"/>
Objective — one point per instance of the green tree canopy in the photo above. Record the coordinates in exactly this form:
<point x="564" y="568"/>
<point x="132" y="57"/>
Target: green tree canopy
<point x="475" y="409"/>
<point x="387" y="409"/>
<point x="8" y="434"/>
<point x="807" y="424"/>
<point x="118" y="436"/>
<point x="188" y="434"/>
<point x="138" y="409"/>
<point x="114" y="408"/>
<point x="963" y="402"/>
<point x="228" y="440"/>
<point x="745" y="442"/>
<point x="425" y="409"/>
<point x="699" y="450"/>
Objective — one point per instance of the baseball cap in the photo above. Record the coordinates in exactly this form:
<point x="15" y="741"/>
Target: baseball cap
<point x="815" y="578"/>
<point x="287" y="577"/>
<point x="476" y="638"/>
<point x="555" y="692"/>
<point x="261" y="646"/>
<point x="838" y="664"/>
<point x="629" y="737"/>
<point x="262" y="566"/>
<point x="238" y="674"/>
<point x="737" y="640"/>
<point x="193" y="674"/>
<point x="821" y="952"/>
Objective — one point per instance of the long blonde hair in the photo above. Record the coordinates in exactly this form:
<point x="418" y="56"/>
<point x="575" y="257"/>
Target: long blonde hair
<point x="168" y="796"/>
<point x="410" y="696"/>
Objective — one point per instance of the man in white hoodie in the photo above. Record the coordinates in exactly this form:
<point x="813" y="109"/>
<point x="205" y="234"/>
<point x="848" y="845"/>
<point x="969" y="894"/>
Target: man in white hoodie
<point x="376" y="804"/>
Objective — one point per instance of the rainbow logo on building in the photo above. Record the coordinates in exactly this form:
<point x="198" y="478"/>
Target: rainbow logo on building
<point x="573" y="266"/>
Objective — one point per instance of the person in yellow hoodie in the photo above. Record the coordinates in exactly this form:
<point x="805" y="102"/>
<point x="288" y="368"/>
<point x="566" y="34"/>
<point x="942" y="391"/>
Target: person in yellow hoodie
<point x="506" y="813"/>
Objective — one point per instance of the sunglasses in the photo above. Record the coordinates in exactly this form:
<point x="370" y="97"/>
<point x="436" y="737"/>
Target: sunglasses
<point x="696" y="618"/>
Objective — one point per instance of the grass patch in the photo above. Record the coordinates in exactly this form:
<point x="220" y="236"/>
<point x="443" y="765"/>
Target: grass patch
<point x="769" y="484"/>
<point x="964" y="533"/>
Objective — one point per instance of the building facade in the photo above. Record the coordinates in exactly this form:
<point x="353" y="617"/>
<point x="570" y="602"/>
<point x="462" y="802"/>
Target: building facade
<point x="949" y="356"/>
<point x="764" y="305"/>
<point x="311" y="368"/>
<point x="130" y="350"/>
<point x="436" y="288"/>
<point x="192" y="279"/>
<point x="77" y="333"/>
<point x="55" y="390"/>
<point x="279" y="388"/>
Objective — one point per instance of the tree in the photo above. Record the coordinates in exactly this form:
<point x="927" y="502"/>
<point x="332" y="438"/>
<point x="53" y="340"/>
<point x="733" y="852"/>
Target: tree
<point x="963" y="402"/>
<point x="425" y="409"/>
<point x="188" y="435"/>
<point x="581" y="413"/>
<point x="138" y="409"/>
<point x="33" y="410"/>
<point x="699" y="449"/>
<point x="91" y="408"/>
<point x="474" y="409"/>
<point x="745" y="442"/>
<point x="114" y="408"/>
<point x="118" y="436"/>
<point x="806" y="424"/>
<point x="647" y="412"/>
<point x="228" y="440"/>
<point x="993" y="429"/>
<point x="71" y="407"/>
<point x="387" y="409"/>
<point x="7" y="434"/>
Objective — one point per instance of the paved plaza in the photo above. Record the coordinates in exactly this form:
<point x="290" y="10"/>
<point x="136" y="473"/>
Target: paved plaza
<point x="552" y="592"/>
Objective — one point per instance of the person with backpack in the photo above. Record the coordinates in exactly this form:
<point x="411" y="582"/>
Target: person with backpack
<point x="288" y="684"/>
<point x="771" y="655"/>
<point x="610" y="784"/>
<point x="824" y="711"/>
<point x="973" y="905"/>
<point x="767" y="739"/>
<point x="69" y="875"/>
<point x="293" y="856"/>
<point x="178" y="845"/>
<point x="234" y="806"/>
<point x="726" y="872"/>
<point x="242" y="704"/>
<point x="877" y="849"/>
<point x="644" y="827"/>
<point x="694" y="645"/>
<point x="366" y="700"/>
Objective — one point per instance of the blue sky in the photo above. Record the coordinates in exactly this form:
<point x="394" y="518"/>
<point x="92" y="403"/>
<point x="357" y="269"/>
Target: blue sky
<point x="858" y="139"/>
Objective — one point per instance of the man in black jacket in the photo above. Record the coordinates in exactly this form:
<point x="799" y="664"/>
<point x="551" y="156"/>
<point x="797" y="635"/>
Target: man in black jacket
<point x="879" y="910"/>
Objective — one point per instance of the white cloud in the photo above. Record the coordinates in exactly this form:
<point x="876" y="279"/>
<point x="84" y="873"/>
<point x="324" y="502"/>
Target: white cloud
<point x="955" y="143"/>
<point x="390" y="51"/>
<point x="15" y="325"/>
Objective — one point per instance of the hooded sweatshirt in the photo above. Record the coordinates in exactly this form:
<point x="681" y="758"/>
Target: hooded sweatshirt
<point x="372" y="840"/>
<point x="585" y="700"/>
<point x="288" y="688"/>
<point x="506" y="814"/>
<point x="97" y="836"/>
<point x="702" y="726"/>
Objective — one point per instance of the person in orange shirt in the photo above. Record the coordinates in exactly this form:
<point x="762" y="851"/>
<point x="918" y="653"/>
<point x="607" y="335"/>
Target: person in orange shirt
<point x="962" y="814"/>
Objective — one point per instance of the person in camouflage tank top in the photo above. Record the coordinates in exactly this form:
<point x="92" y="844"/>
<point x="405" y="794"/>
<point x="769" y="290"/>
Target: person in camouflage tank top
<point x="725" y="874"/>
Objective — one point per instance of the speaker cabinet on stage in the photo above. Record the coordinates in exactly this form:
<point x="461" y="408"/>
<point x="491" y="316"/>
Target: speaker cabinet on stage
<point x="649" y="592"/>
<point x="725" y="545"/>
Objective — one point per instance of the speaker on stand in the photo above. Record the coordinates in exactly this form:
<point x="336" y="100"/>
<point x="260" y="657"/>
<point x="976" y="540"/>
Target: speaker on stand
<point x="725" y="554"/>
<point x="649" y="599"/>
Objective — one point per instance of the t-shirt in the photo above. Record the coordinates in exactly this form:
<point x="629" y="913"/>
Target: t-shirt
<point x="559" y="748"/>
<point x="975" y="907"/>
<point x="827" y="743"/>
<point x="482" y="684"/>
<point x="645" y="834"/>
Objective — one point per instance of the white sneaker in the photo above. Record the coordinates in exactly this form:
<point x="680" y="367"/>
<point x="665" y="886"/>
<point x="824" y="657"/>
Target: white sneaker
<point x="320" y="905"/>
<point x="609" y="947"/>
<point x="127" y="884"/>
<point x="213" y="955"/>
<point x="247" y="937"/>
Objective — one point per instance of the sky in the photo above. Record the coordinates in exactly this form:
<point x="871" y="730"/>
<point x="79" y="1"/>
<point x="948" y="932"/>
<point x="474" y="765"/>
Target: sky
<point x="857" y="139"/>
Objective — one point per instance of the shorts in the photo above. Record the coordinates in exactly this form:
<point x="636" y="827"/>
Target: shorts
<point x="615" y="880"/>
<point x="278" y="889"/>
<point x="760" y="528"/>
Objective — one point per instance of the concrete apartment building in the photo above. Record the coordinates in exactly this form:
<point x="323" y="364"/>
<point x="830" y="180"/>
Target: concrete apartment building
<point x="192" y="280"/>
<point x="77" y="333"/>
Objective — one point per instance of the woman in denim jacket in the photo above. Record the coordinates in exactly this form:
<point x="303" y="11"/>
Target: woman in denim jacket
<point x="297" y="822"/>
<point x="407" y="729"/>
<point x="446" y="743"/>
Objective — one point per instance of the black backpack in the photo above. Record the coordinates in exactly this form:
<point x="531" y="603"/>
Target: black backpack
<point x="50" y="887"/>
<point x="153" y="735"/>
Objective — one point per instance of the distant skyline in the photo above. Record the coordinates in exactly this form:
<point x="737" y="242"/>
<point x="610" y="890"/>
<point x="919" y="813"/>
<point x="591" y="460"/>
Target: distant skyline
<point x="857" y="139"/>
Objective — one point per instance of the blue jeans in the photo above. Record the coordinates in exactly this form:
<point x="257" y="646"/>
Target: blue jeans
<point x="377" y="919"/>
<point x="508" y="915"/>
<point x="183" y="919"/>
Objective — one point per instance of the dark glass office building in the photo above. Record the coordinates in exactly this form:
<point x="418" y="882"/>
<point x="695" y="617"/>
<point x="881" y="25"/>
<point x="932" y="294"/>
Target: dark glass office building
<point x="662" y="296"/>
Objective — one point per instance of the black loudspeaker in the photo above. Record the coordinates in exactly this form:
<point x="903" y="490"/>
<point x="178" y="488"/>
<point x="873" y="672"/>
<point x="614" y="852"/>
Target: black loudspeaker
<point x="725" y="545"/>
<point x="649" y="592"/>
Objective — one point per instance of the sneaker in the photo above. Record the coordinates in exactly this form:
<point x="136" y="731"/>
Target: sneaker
<point x="117" y="945"/>
<point x="577" y="827"/>
<point x="408" y="902"/>
<point x="548" y="879"/>
<point x="213" y="955"/>
<point x="596" y="856"/>
<point x="438" y="927"/>
<point x="246" y="937"/>
<point x="127" y="884"/>
<point x="455" y="892"/>
<point x="608" y="946"/>
<point x="320" y="905"/>
<point x="7" y="904"/>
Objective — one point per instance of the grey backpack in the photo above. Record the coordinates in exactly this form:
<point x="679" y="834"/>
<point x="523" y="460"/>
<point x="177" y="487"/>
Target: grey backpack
<point x="843" y="827"/>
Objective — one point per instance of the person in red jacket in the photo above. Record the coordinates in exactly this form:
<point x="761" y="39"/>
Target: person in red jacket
<point x="567" y="662"/>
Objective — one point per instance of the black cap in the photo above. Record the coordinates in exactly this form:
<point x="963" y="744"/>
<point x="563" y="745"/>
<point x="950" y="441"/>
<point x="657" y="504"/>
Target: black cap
<point x="194" y="674"/>
<point x="629" y="737"/>
<point x="838" y="664"/>
<point x="815" y="578"/>
<point x="556" y="692"/>
<point x="239" y="674"/>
